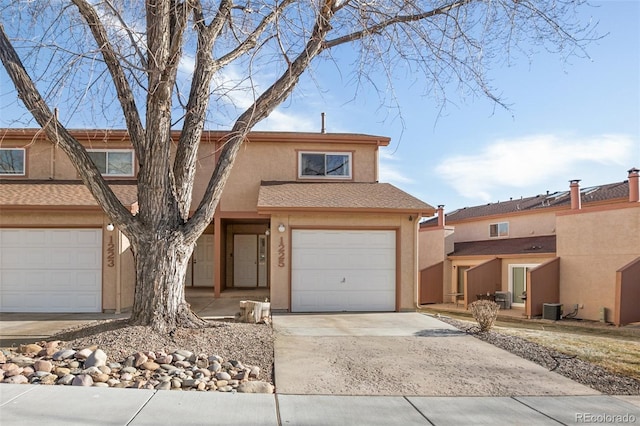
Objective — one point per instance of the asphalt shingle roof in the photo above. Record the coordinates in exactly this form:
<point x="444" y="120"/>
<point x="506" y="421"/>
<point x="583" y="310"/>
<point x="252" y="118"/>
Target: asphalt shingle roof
<point x="529" y="245"/>
<point x="60" y="193"/>
<point x="612" y="191"/>
<point x="338" y="196"/>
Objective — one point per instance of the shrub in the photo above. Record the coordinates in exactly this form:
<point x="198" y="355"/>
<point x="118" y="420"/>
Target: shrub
<point x="485" y="312"/>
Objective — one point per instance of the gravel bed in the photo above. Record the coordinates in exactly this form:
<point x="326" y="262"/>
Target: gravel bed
<point x="251" y="344"/>
<point x="575" y="369"/>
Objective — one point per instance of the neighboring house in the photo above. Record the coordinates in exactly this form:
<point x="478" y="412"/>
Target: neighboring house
<point x="302" y="214"/>
<point x="577" y="248"/>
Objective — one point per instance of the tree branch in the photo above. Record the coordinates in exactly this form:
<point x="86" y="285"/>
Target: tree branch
<point x="121" y="84"/>
<point x="58" y="134"/>
<point x="357" y="35"/>
<point x="205" y="69"/>
<point x="261" y="108"/>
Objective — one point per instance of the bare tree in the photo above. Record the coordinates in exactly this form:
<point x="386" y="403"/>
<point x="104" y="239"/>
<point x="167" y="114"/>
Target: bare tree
<point x="138" y="47"/>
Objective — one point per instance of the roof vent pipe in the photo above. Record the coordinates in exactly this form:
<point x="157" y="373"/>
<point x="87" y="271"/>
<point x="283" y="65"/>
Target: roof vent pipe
<point x="576" y="202"/>
<point x="634" y="190"/>
<point x="323" y="130"/>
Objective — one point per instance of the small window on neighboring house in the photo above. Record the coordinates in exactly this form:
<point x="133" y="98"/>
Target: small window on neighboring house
<point x="499" y="230"/>
<point x="117" y="162"/>
<point x="333" y="165"/>
<point x="12" y="162"/>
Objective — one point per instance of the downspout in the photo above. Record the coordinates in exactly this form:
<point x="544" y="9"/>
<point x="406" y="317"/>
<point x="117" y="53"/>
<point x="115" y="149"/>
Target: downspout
<point x="54" y="150"/>
<point x="416" y="264"/>
<point x="118" y="269"/>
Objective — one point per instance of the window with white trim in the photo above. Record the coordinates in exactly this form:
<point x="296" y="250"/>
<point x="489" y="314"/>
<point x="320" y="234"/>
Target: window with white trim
<point x="12" y="162"/>
<point x="324" y="165"/>
<point x="113" y="162"/>
<point x="500" y="229"/>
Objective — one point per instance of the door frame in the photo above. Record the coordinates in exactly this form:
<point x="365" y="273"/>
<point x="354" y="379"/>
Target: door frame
<point x="192" y="276"/>
<point x="527" y="267"/>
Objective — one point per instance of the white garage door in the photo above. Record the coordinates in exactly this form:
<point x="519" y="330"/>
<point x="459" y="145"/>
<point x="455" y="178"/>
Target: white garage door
<point x="50" y="270"/>
<point x="336" y="270"/>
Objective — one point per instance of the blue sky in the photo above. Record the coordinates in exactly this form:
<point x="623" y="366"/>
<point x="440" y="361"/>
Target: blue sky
<point x="578" y="119"/>
<point x="568" y="120"/>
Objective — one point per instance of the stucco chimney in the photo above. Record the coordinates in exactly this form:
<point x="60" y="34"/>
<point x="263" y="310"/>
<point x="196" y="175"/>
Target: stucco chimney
<point x="634" y="190"/>
<point x="576" y="202"/>
<point x="441" y="215"/>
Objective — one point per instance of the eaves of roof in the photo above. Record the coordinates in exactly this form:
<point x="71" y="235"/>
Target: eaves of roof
<point x="60" y="194"/>
<point x="208" y="136"/>
<point x="613" y="193"/>
<point x="545" y="244"/>
<point x="338" y="197"/>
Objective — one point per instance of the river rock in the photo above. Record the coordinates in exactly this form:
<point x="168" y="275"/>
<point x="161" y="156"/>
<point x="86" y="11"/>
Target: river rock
<point x="139" y="359"/>
<point x="49" y="379"/>
<point x="66" y="379"/>
<point x="150" y="365"/>
<point x="255" y="387"/>
<point x="96" y="359"/>
<point x="63" y="354"/>
<point x="29" y="349"/>
<point x="255" y="372"/>
<point x="43" y="365"/>
<point x="83" y="354"/>
<point x="18" y="379"/>
<point x="222" y="375"/>
<point x="82" y="380"/>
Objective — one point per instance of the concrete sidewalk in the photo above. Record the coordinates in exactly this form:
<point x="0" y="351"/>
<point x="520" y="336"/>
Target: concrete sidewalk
<point x="68" y="405"/>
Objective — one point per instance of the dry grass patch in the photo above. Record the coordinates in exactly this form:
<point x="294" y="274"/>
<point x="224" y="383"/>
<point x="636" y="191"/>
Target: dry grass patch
<point x="620" y="355"/>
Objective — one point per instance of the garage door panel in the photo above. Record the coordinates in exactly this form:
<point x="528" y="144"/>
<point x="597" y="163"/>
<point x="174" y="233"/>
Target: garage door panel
<point x="338" y="270"/>
<point x="375" y="301"/>
<point x="318" y="301"/>
<point x="326" y="301"/>
<point x="51" y="270"/>
<point x="345" y="258"/>
<point x="317" y="279"/>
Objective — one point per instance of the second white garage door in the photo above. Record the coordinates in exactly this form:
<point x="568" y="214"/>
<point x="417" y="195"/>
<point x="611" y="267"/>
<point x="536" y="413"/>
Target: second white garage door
<point x="50" y="270"/>
<point x="337" y="270"/>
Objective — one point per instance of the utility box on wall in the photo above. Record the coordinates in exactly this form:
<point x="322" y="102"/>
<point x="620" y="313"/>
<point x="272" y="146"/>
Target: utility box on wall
<point x="552" y="311"/>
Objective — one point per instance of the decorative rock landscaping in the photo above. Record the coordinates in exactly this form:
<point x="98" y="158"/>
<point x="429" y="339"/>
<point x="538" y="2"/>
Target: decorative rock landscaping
<point x="49" y="364"/>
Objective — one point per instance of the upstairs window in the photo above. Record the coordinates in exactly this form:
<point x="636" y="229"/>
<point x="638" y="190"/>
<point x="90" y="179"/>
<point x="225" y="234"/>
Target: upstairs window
<point x="12" y="162"/>
<point x="115" y="162"/>
<point x="331" y="165"/>
<point x="497" y="230"/>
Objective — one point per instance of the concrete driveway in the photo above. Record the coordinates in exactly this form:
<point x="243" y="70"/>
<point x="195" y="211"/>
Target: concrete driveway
<point x="400" y="354"/>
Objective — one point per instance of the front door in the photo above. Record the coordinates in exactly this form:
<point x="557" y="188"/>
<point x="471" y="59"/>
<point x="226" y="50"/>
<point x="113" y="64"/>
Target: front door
<point x="518" y="283"/>
<point x="200" y="270"/>
<point x="245" y="260"/>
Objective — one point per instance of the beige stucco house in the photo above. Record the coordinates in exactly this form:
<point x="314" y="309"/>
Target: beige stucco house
<point x="578" y="248"/>
<point x="303" y="214"/>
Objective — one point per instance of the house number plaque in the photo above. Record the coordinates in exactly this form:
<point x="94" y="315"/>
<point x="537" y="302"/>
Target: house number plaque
<point x="111" y="253"/>
<point x="281" y="253"/>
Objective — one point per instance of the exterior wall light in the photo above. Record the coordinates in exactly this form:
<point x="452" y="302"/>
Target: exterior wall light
<point x="281" y="228"/>
<point x="110" y="227"/>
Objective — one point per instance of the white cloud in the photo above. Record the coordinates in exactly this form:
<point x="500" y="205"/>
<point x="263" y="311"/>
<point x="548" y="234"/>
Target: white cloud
<point x="389" y="170"/>
<point x="281" y="121"/>
<point x="527" y="161"/>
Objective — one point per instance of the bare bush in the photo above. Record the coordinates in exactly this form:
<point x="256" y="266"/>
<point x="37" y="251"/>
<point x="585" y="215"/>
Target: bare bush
<point x="485" y="312"/>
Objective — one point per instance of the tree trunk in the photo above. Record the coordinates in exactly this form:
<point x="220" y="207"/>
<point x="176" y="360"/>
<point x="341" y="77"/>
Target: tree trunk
<point x="161" y="266"/>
